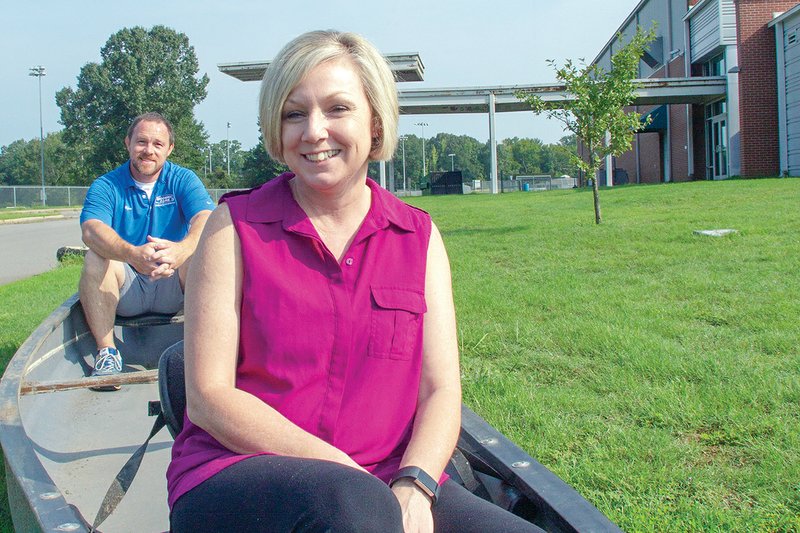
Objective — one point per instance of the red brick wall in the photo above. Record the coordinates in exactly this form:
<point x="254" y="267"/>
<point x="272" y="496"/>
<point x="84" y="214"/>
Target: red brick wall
<point x="758" y="93"/>
<point x="679" y="149"/>
<point x="650" y="168"/>
<point x="650" y="165"/>
<point x="627" y="162"/>
<point x="650" y="158"/>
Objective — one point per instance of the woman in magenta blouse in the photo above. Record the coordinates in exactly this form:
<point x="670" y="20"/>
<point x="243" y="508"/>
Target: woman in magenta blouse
<point x="322" y="376"/>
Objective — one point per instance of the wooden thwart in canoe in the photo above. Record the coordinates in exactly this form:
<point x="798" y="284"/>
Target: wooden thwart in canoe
<point x="128" y="378"/>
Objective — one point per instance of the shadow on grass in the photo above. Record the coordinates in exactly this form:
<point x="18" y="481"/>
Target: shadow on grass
<point x="466" y="232"/>
<point x="7" y="351"/>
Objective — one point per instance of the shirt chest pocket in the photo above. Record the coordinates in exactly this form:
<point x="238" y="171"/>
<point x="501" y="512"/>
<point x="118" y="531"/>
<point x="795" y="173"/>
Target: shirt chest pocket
<point x="395" y="322"/>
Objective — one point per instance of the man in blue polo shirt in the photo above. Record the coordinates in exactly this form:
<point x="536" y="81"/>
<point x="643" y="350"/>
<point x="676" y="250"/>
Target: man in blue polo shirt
<point x="141" y="222"/>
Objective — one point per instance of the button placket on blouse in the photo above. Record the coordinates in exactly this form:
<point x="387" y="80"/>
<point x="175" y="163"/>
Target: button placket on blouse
<point x="337" y="371"/>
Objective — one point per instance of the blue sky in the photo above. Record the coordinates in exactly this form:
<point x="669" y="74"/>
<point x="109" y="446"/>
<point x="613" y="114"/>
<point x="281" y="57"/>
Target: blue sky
<point x="462" y="43"/>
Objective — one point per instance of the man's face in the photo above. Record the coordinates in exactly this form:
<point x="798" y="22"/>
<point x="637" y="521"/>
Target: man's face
<point x="148" y="147"/>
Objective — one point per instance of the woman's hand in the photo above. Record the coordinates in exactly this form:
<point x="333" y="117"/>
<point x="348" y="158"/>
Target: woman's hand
<point x="415" y="506"/>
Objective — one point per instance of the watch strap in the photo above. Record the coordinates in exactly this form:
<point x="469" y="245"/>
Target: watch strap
<point x="421" y="479"/>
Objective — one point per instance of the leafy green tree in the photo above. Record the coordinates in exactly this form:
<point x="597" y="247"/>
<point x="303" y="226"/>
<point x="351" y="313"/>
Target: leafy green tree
<point x="596" y="114"/>
<point x="561" y="157"/>
<point x="433" y="158"/>
<point x="507" y="166"/>
<point x="141" y="70"/>
<point x="20" y="162"/>
<point x="219" y="179"/>
<point x="413" y="158"/>
<point x="219" y="163"/>
<point x="467" y="155"/>
<point x="258" y="167"/>
<point x="528" y="153"/>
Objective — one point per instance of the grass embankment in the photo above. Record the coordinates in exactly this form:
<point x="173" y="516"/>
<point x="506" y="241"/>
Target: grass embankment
<point x="16" y="213"/>
<point x="654" y="370"/>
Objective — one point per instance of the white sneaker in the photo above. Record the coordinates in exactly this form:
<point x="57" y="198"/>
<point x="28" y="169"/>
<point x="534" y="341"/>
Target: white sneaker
<point x="107" y="362"/>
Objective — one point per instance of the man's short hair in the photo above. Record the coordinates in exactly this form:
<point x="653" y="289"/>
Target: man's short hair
<point x="311" y="49"/>
<point x="152" y="117"/>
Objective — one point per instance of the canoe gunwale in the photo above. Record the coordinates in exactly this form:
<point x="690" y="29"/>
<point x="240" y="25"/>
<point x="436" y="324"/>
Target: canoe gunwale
<point x="46" y="508"/>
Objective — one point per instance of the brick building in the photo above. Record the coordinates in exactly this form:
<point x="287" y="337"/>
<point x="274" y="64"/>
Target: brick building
<point x="735" y="135"/>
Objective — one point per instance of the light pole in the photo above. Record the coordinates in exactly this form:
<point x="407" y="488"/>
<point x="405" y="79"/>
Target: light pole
<point x="210" y="167"/>
<point x="403" y="143"/>
<point x="38" y="72"/>
<point x="424" y="166"/>
<point x="451" y="156"/>
<point x="228" y="143"/>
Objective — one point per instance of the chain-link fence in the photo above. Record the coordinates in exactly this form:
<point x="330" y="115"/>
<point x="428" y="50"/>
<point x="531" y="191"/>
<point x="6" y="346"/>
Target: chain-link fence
<point x="525" y="183"/>
<point x="31" y="196"/>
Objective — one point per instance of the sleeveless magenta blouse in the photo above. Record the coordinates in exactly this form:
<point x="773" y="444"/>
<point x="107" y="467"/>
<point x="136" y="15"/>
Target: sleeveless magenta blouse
<point x="336" y="347"/>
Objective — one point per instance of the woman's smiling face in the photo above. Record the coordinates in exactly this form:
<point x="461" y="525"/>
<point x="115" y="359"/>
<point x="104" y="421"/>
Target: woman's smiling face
<point x="327" y="127"/>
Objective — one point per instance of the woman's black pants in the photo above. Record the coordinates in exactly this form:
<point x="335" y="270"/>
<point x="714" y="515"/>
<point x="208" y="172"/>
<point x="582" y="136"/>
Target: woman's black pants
<point x="282" y="494"/>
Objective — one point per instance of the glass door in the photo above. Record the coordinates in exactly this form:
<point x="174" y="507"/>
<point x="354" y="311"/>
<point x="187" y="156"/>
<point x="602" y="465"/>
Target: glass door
<point x="716" y="141"/>
<point x="720" y="147"/>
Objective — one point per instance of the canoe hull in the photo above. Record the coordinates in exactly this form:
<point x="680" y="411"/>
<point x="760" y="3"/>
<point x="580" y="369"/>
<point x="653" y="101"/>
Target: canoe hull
<point x="62" y="449"/>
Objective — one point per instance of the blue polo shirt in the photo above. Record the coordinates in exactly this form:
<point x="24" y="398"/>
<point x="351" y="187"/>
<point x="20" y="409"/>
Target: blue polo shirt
<point x="115" y="200"/>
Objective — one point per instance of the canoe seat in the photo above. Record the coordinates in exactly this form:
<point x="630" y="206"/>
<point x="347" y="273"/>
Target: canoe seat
<point x="148" y="319"/>
<point x="172" y="393"/>
<point x="172" y="387"/>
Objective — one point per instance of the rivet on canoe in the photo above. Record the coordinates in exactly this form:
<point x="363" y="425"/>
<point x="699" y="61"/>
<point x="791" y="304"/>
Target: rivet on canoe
<point x="49" y="495"/>
<point x="490" y="441"/>
<point x="69" y="526"/>
<point x="521" y="464"/>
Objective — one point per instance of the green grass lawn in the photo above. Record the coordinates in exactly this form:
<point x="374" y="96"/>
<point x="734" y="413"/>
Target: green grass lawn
<point x="654" y="370"/>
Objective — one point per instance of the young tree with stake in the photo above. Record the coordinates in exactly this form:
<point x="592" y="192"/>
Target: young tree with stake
<point x="595" y="112"/>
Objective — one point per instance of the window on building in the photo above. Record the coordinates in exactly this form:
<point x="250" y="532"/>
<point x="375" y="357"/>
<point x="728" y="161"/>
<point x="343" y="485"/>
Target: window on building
<point x="714" y="66"/>
<point x="717" y="108"/>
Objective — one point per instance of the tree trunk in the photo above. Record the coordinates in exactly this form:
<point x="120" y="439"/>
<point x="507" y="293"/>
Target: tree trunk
<point x="594" y="164"/>
<point x="596" y="193"/>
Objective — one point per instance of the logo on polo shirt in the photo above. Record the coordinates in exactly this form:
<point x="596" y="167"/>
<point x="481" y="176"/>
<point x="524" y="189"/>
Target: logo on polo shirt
<point x="167" y="199"/>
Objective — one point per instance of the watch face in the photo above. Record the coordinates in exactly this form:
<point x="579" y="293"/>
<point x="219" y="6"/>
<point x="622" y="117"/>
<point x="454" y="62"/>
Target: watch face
<point x="420" y="478"/>
<point x="425" y="488"/>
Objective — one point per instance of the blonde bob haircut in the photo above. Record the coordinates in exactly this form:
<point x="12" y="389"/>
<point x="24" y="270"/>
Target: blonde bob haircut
<point x="311" y="49"/>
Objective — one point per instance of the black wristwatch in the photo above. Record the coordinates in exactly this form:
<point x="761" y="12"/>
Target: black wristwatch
<point x="420" y="478"/>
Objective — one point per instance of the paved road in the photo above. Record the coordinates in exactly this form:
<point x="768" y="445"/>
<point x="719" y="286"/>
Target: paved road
<point x="29" y="249"/>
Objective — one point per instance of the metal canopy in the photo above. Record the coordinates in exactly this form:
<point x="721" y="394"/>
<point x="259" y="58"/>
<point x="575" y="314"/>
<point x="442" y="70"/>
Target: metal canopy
<point x="475" y="99"/>
<point x="502" y="98"/>
<point x="406" y="67"/>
